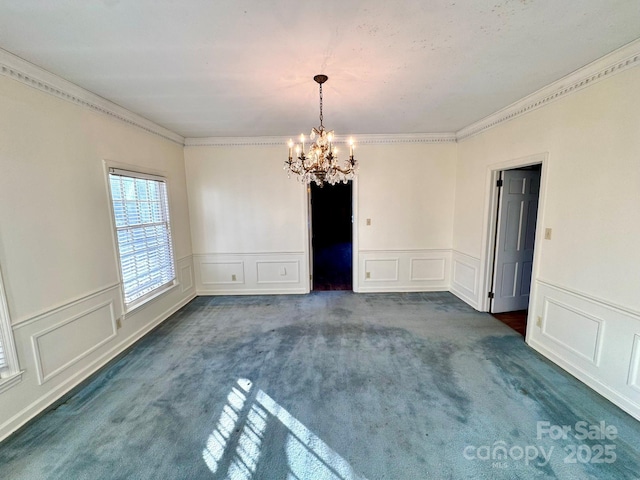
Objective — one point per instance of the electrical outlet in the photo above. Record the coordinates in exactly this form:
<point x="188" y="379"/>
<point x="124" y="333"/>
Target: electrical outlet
<point x="233" y="278"/>
<point x="547" y="234"/>
<point x="368" y="275"/>
<point x="368" y="221"/>
<point x="539" y="322"/>
<point x="118" y="323"/>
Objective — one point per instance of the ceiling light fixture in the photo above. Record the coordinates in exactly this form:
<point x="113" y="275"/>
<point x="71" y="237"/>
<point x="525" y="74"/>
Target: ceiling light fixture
<point x="320" y="164"/>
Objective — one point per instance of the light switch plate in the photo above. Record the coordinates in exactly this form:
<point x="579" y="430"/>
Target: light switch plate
<point x="547" y="234"/>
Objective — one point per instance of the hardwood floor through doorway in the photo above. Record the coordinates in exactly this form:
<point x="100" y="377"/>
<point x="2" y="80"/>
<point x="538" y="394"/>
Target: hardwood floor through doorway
<point x="516" y="320"/>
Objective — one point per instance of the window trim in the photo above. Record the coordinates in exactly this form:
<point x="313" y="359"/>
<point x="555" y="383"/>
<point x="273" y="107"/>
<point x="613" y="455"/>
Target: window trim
<point x="149" y="174"/>
<point x="12" y="373"/>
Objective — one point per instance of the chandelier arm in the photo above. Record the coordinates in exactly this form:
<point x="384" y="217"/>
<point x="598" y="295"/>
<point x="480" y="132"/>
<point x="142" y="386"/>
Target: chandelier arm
<point x="321" y="165"/>
<point x="305" y="168"/>
<point x="346" y="171"/>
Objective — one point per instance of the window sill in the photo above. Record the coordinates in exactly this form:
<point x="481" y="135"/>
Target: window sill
<point x="129" y="309"/>
<point x="11" y="381"/>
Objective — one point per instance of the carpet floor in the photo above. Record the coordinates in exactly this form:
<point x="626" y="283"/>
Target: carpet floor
<point x="331" y="385"/>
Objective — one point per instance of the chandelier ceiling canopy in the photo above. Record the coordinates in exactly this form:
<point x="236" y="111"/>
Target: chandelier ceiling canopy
<point x="320" y="163"/>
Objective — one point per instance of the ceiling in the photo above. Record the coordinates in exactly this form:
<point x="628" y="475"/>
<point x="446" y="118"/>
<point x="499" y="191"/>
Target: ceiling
<point x="245" y="68"/>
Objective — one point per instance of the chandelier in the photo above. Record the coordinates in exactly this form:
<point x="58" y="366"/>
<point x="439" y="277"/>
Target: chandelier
<point x="320" y="164"/>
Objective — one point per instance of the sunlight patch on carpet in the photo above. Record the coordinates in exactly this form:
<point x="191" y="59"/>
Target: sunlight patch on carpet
<point x="234" y="447"/>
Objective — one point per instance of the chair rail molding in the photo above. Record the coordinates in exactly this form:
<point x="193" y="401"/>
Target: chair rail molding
<point x="419" y="270"/>
<point x="251" y="273"/>
<point x="596" y="341"/>
<point x="70" y="341"/>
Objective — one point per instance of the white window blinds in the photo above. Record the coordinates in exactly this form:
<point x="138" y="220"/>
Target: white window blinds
<point x="3" y="360"/>
<point x="141" y="212"/>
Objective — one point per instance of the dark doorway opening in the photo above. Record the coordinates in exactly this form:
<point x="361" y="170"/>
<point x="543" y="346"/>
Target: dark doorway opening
<point x="331" y="236"/>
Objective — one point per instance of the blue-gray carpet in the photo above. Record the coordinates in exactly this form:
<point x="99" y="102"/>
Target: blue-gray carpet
<point x="331" y="385"/>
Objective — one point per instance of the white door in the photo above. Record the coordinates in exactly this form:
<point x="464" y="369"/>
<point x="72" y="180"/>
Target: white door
<point x="515" y="237"/>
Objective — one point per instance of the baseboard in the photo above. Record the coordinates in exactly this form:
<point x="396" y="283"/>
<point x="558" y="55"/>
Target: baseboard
<point x="257" y="273"/>
<point x="278" y="291"/>
<point x="465" y="298"/>
<point x="410" y="289"/>
<point x="592" y="339"/>
<point x="465" y="278"/>
<point x="614" y="397"/>
<point x="424" y="270"/>
<point x="32" y="411"/>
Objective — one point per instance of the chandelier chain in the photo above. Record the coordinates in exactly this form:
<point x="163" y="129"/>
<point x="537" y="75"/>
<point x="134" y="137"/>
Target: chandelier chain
<point x="320" y="163"/>
<point x="321" y="106"/>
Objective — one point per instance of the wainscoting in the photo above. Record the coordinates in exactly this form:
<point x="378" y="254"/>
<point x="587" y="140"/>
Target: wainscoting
<point x="465" y="278"/>
<point x="64" y="345"/>
<point x="594" y="340"/>
<point x="251" y="273"/>
<point x="404" y="270"/>
<point x="60" y="338"/>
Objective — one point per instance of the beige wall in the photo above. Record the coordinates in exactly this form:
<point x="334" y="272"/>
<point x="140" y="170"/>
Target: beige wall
<point x="593" y="182"/>
<point x="241" y="200"/>
<point x="408" y="191"/>
<point x="245" y="213"/>
<point x="57" y="248"/>
<point x="585" y="306"/>
<point x="246" y="223"/>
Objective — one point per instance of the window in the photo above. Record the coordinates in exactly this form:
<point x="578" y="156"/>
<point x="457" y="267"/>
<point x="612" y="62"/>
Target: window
<point x="141" y="213"/>
<point x="3" y="361"/>
<point x="9" y="371"/>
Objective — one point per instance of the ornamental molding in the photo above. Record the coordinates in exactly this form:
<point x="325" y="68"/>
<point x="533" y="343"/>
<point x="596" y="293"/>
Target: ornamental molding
<point x="33" y="76"/>
<point x="36" y="77"/>
<point x="368" y="139"/>
<point x="617" y="61"/>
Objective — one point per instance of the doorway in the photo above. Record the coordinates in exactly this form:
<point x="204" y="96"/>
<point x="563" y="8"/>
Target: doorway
<point x="516" y="217"/>
<point x="332" y="236"/>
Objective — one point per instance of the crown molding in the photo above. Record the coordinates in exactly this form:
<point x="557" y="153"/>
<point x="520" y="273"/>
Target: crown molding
<point x="234" y="141"/>
<point x="367" y="139"/>
<point x="36" y="77"/>
<point x="617" y="61"/>
<point x="33" y="76"/>
<point x="384" y="139"/>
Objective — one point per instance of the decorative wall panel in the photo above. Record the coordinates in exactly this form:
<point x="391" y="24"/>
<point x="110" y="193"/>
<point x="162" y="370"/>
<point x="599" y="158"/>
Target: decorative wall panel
<point x="465" y="278"/>
<point x="251" y="273"/>
<point x="65" y="343"/>
<point x="596" y="341"/>
<point x="404" y="270"/>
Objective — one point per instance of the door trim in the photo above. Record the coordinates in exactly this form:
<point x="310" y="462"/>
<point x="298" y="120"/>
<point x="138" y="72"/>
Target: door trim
<point x="306" y="228"/>
<point x="489" y="226"/>
<point x="355" y="251"/>
<point x="308" y="251"/>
